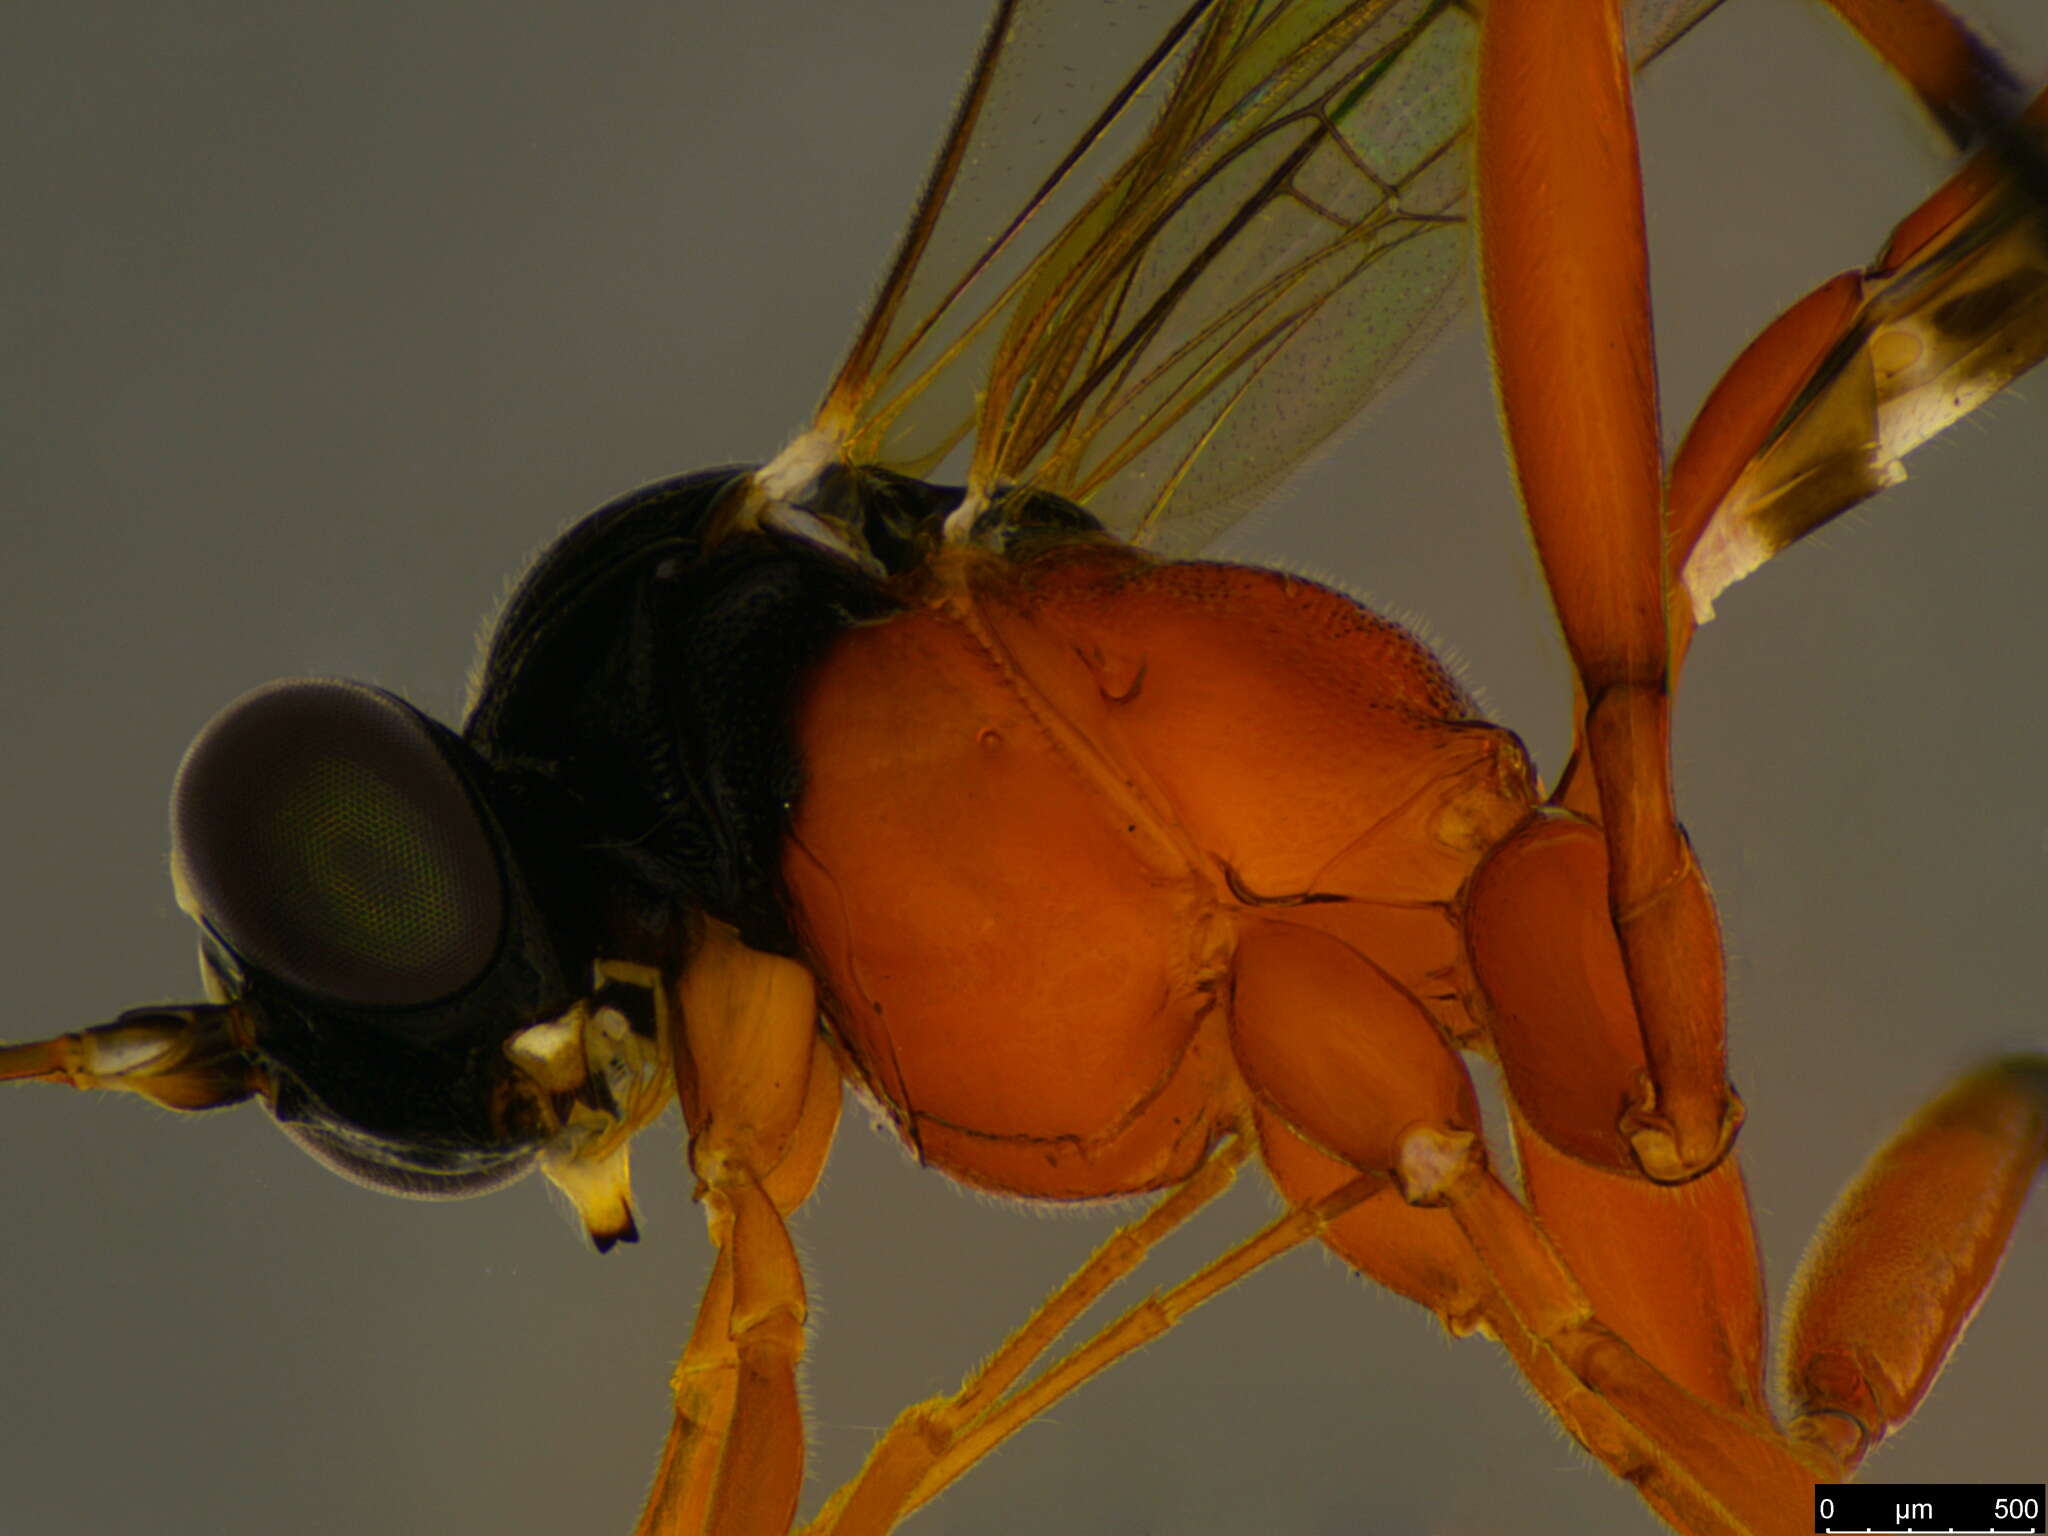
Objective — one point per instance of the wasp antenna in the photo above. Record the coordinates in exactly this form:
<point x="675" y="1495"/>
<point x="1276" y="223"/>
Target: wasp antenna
<point x="185" y="1057"/>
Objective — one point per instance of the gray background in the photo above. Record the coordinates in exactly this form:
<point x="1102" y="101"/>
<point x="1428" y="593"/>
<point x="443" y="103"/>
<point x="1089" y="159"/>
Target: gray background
<point x="318" y="318"/>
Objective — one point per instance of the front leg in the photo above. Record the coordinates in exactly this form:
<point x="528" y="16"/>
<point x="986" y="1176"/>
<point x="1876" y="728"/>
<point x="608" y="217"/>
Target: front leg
<point x="760" y="1092"/>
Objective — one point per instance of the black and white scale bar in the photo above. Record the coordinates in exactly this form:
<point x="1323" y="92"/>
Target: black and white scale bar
<point x="1981" y="1509"/>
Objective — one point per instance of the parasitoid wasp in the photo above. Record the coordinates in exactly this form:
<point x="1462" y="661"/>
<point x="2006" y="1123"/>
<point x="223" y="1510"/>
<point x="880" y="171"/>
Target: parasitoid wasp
<point x="219" y="369"/>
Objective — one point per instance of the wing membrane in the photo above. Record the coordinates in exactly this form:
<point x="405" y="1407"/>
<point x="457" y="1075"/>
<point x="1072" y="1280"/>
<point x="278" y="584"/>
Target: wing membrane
<point x="1206" y="276"/>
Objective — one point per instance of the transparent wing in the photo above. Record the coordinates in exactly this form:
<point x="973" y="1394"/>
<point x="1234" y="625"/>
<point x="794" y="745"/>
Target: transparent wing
<point x="1167" y="249"/>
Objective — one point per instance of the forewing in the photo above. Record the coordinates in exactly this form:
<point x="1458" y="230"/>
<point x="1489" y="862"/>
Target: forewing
<point x="1234" y="223"/>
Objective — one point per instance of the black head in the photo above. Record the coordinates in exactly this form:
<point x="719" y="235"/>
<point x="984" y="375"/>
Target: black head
<point x="361" y="911"/>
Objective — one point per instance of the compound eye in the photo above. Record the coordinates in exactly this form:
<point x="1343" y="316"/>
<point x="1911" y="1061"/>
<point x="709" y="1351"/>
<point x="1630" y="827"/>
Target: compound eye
<point x="319" y="829"/>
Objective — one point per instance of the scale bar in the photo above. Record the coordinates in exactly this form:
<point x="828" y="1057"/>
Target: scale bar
<point x="1930" y="1509"/>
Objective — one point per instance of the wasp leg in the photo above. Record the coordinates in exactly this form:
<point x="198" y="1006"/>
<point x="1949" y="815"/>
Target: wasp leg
<point x="1730" y="1471"/>
<point x="933" y="1442"/>
<point x="1420" y="1252"/>
<point x="1909" y="1249"/>
<point x="1819" y="411"/>
<point x="1829" y="359"/>
<point x="1354" y="1067"/>
<point x="1144" y="1322"/>
<point x="1567" y="295"/>
<point x="1936" y="55"/>
<point x="760" y="1093"/>
<point x="1731" y="431"/>
<point x="1814" y="416"/>
<point x="1674" y="1268"/>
